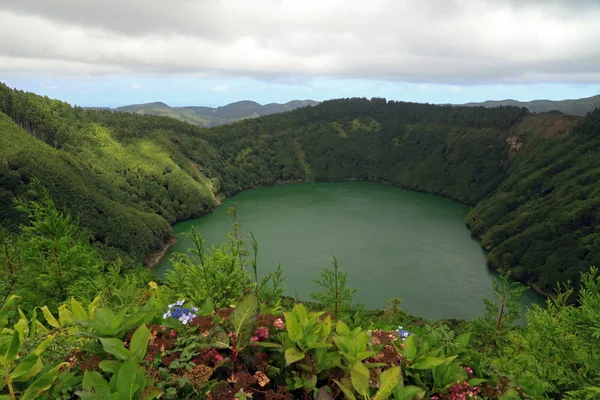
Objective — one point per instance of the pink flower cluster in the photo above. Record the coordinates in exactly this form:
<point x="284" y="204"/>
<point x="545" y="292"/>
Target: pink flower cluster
<point x="261" y="333"/>
<point x="279" y="324"/>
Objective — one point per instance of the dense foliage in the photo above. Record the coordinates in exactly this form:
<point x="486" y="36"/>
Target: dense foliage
<point x="533" y="178"/>
<point x="142" y="340"/>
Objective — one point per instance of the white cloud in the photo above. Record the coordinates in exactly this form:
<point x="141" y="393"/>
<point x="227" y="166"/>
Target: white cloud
<point x="137" y="86"/>
<point x="423" y="41"/>
<point x="53" y="87"/>
<point x="221" y="88"/>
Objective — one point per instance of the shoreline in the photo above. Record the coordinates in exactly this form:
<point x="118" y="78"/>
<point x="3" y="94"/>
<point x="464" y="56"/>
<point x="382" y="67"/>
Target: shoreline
<point x="154" y="258"/>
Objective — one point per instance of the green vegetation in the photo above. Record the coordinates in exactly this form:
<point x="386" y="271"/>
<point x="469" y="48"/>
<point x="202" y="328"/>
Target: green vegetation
<point x="572" y="107"/>
<point x="209" y="116"/>
<point x="142" y="340"/>
<point x="127" y="177"/>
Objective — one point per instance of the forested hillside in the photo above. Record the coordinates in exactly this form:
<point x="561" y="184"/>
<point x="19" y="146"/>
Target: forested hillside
<point x="571" y="107"/>
<point x="533" y="178"/>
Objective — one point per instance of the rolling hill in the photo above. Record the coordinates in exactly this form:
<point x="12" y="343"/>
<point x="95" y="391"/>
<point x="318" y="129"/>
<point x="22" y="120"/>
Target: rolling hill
<point x="571" y="107"/>
<point x="209" y="116"/>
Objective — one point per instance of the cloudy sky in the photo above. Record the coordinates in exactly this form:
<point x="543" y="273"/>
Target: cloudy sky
<point x="200" y="52"/>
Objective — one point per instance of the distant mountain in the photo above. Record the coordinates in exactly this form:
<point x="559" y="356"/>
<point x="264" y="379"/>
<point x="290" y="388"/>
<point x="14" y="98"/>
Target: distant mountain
<point x="209" y="116"/>
<point x="572" y="107"/>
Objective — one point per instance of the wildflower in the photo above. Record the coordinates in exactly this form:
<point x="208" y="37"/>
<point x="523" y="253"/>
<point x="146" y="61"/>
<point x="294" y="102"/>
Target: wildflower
<point x="262" y="333"/>
<point x="279" y="324"/>
<point x="254" y="339"/>
<point x="218" y="358"/>
<point x="403" y="334"/>
<point x="184" y="315"/>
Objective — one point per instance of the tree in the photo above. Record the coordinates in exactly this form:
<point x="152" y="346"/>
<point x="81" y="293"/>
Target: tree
<point x="336" y="296"/>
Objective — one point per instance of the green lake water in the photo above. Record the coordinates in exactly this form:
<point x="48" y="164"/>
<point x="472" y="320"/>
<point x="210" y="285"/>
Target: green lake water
<point x="392" y="242"/>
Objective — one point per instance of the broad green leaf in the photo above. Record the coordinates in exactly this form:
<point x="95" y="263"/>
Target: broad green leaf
<point x="130" y="379"/>
<point x="33" y="323"/>
<point x="116" y="348"/>
<point x="388" y="380"/>
<point x="408" y="392"/>
<point x="427" y="363"/>
<point x="94" y="381"/>
<point x="462" y="341"/>
<point x="410" y="347"/>
<point x="363" y="355"/>
<point x="293" y="327"/>
<point x="65" y="316"/>
<point x="13" y="348"/>
<point x="359" y="375"/>
<point x="5" y="311"/>
<point x="111" y="366"/>
<point x="93" y="305"/>
<point x="326" y="330"/>
<point x="43" y="383"/>
<point x="347" y="391"/>
<point x="219" y="338"/>
<point x="510" y="394"/>
<point x="342" y="329"/>
<point x="476" y="381"/>
<point x="27" y="368"/>
<point x="50" y="318"/>
<point x="245" y="314"/>
<point x="139" y="342"/>
<point x="78" y="311"/>
<point x="43" y="345"/>
<point x="292" y="355"/>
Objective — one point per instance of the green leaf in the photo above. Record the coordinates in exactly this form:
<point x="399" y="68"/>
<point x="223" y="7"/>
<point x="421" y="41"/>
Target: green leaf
<point x="476" y="381"/>
<point x="78" y="310"/>
<point x="111" y="366"/>
<point x="218" y="338"/>
<point x="408" y="392"/>
<point x="510" y="394"/>
<point x="139" y="342"/>
<point x="94" y="381"/>
<point x="5" y="311"/>
<point x="44" y="345"/>
<point x="270" y="345"/>
<point x="43" y="383"/>
<point x="28" y="367"/>
<point x="388" y="380"/>
<point x="359" y="374"/>
<point x="410" y="347"/>
<point x="292" y="355"/>
<point x="115" y="347"/>
<point x="462" y="341"/>
<point x="50" y="318"/>
<point x="65" y="316"/>
<point x="13" y="348"/>
<point x="342" y="329"/>
<point x="244" y="315"/>
<point x="130" y="379"/>
<point x="428" y="363"/>
<point x="293" y="328"/>
<point x="347" y="392"/>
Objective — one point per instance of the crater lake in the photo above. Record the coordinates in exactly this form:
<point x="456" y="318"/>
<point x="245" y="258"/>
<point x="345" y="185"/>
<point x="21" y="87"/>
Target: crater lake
<point x="392" y="242"/>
